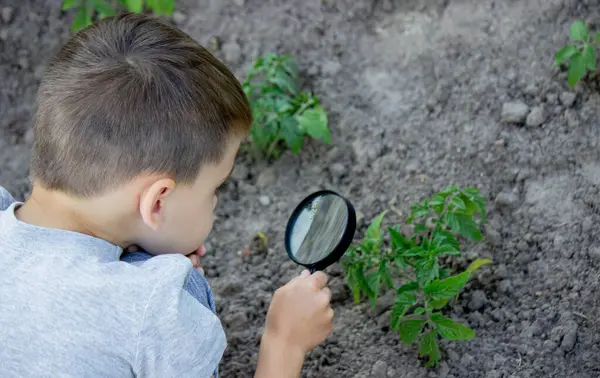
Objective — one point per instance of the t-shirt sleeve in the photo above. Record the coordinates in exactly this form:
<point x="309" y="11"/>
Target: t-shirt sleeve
<point x="179" y="337"/>
<point x="5" y="199"/>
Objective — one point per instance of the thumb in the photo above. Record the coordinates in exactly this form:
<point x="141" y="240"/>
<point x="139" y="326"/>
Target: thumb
<point x="305" y="273"/>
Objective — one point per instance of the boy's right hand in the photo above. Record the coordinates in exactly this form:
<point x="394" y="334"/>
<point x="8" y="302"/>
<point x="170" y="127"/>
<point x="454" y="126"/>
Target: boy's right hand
<point x="300" y="316"/>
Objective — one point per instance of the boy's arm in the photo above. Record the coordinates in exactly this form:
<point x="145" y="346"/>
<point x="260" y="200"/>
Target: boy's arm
<point x="275" y="360"/>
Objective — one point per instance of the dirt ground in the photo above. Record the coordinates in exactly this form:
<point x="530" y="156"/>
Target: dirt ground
<point x="415" y="90"/>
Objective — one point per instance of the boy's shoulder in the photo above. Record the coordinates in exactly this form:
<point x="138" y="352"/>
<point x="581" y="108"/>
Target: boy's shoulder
<point x="5" y="198"/>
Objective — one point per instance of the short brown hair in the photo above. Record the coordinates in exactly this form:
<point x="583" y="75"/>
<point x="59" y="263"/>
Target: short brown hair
<point x="128" y="95"/>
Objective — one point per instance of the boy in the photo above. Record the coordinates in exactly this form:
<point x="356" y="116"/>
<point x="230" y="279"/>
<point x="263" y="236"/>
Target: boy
<point x="137" y="127"/>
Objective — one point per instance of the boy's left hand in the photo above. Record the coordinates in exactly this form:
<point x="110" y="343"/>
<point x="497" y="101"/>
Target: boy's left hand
<point x="195" y="257"/>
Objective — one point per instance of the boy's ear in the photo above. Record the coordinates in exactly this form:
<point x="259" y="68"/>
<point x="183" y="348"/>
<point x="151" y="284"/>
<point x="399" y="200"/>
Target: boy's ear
<point x="152" y="201"/>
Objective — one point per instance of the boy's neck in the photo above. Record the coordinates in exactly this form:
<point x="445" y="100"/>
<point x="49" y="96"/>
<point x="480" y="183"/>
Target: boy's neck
<point x="52" y="209"/>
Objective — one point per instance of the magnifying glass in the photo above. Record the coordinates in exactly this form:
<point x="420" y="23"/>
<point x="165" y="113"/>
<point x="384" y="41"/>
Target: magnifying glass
<point x="320" y="230"/>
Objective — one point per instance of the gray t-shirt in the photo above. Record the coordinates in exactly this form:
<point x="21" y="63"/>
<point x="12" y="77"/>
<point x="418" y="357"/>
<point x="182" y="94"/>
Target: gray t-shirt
<point x="70" y="308"/>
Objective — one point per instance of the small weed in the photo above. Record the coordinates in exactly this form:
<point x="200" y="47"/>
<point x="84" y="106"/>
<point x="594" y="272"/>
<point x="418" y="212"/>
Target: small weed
<point x="580" y="56"/>
<point x="410" y="266"/>
<point x="283" y="114"/>
<point x="89" y="10"/>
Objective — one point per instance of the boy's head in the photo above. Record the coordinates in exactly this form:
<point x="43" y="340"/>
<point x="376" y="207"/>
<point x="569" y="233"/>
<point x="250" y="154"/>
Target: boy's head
<point x="135" y="111"/>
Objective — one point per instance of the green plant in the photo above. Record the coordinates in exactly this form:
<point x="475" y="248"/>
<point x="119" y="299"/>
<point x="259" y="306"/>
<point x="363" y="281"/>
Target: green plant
<point x="88" y="10"/>
<point x="282" y="113"/>
<point x="581" y="56"/>
<point x="411" y="266"/>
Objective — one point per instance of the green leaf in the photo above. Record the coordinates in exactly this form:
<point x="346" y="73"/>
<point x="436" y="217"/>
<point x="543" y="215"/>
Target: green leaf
<point x="429" y="348"/>
<point x="284" y="82"/>
<point x="458" y="203"/>
<point x="448" y="288"/>
<point x="289" y="130"/>
<point x="478" y="263"/>
<point x="384" y="273"/>
<point x="450" y="330"/>
<point x="405" y="298"/>
<point x="437" y="200"/>
<point x="410" y="329"/>
<point x="402" y="303"/>
<point x="398" y="240"/>
<point x="419" y="311"/>
<point x="589" y="55"/>
<point x="82" y="19"/>
<point x="314" y="123"/>
<point x="103" y="8"/>
<point x="427" y="269"/>
<point x="597" y="37"/>
<point x="416" y="251"/>
<point x="577" y="69"/>
<point x="411" y="286"/>
<point x="165" y="7"/>
<point x="70" y="4"/>
<point x="353" y="283"/>
<point x="443" y="238"/>
<point x="464" y="225"/>
<point x="419" y="228"/>
<point x="374" y="282"/>
<point x="445" y="273"/>
<point x="579" y="31"/>
<point x="135" y="5"/>
<point x="418" y="211"/>
<point x="438" y="304"/>
<point x="363" y="282"/>
<point x="374" y="236"/>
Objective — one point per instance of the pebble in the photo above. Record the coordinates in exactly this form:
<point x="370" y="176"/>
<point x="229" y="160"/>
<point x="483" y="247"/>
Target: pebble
<point x="493" y="374"/>
<point x="7" y="14"/>
<point x="549" y="345"/>
<point x="232" y="51"/>
<point x="239" y="3"/>
<point x="234" y="286"/>
<point x="594" y="253"/>
<point x="572" y="118"/>
<point x="264" y="200"/>
<point x="412" y="167"/>
<point x="266" y="178"/>
<point x="236" y="320"/>
<point x="331" y="68"/>
<point x="452" y="355"/>
<point x="179" y="17"/>
<point x="478" y="300"/>
<point x="514" y="112"/>
<point x="505" y="286"/>
<point x="568" y="341"/>
<point x="568" y="98"/>
<point x="379" y="369"/>
<point x="507" y="199"/>
<point x="337" y="169"/>
<point x="552" y="98"/>
<point x="537" y="116"/>
<point x="476" y="319"/>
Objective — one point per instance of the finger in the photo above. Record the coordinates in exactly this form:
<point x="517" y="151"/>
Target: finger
<point x="325" y="296"/>
<point x="202" y="251"/>
<point x="200" y="269"/>
<point x="305" y="273"/>
<point x="330" y="314"/>
<point x="319" y="279"/>
<point x="195" y="260"/>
